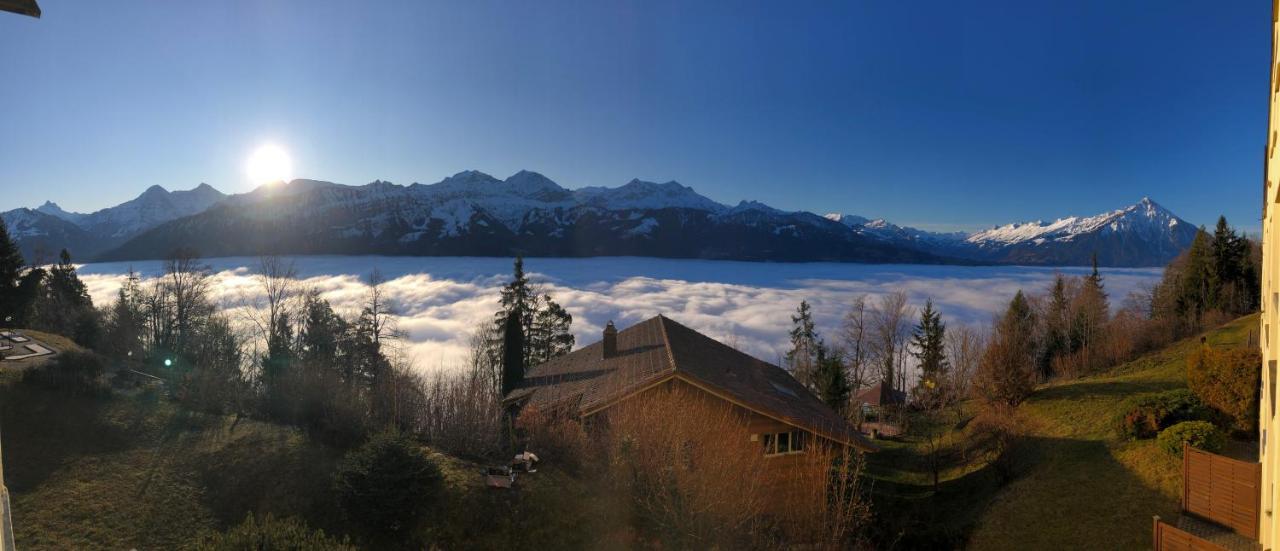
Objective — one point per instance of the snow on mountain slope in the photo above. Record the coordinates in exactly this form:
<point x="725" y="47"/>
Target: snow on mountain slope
<point x="1145" y="218"/>
<point x="640" y="195"/>
<point x="475" y="213"/>
<point x="52" y="209"/>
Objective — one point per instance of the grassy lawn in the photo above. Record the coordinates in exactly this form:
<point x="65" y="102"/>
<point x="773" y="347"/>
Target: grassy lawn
<point x="1080" y="487"/>
<point x="1076" y="485"/>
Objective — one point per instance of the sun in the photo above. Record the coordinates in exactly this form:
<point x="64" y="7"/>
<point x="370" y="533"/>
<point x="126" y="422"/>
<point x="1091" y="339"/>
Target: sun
<point x="269" y="164"/>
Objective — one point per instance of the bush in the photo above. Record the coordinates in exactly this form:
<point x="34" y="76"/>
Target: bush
<point x="71" y="371"/>
<point x="386" y="487"/>
<point x="1227" y="380"/>
<point x="270" y="535"/>
<point x="1145" y="415"/>
<point x="1199" y="434"/>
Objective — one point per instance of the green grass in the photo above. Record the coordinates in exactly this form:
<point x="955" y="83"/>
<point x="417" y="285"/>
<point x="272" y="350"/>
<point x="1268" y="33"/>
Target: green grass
<point x="1076" y="484"/>
<point x="1080" y="486"/>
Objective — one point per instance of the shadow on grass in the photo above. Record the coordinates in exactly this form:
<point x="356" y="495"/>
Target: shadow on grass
<point x="1103" y="389"/>
<point x="1056" y="493"/>
<point x="44" y="430"/>
<point x="1070" y="494"/>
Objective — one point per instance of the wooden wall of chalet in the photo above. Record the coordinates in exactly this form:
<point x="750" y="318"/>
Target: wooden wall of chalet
<point x="782" y="476"/>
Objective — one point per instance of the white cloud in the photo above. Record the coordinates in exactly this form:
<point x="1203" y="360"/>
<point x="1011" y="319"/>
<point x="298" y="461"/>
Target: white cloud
<point x="440" y="300"/>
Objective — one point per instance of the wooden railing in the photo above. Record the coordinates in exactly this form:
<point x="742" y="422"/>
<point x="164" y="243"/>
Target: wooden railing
<point x="1222" y="490"/>
<point x="1167" y="537"/>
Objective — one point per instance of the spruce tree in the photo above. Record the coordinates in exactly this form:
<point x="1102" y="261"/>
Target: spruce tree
<point x="1091" y="315"/>
<point x="802" y="359"/>
<point x="928" y="342"/>
<point x="544" y="325"/>
<point x="1005" y="374"/>
<point x="831" y="380"/>
<point x="11" y="264"/>
<point x="1199" y="279"/>
<point x="513" y="345"/>
<point x="1056" y="322"/>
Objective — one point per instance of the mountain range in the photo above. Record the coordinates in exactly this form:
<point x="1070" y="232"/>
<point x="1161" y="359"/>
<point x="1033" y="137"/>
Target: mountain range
<point x="475" y="214"/>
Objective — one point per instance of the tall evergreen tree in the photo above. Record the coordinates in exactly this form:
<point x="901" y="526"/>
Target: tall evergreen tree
<point x="1056" y="323"/>
<point x="320" y="332"/>
<point x="544" y="325"/>
<point x="831" y="380"/>
<point x="123" y="334"/>
<point x="1091" y="312"/>
<point x="11" y="265"/>
<point x="802" y="359"/>
<point x="1198" y="281"/>
<point x="928" y="342"/>
<point x="513" y="344"/>
<point x="63" y="305"/>
<point x="1005" y="373"/>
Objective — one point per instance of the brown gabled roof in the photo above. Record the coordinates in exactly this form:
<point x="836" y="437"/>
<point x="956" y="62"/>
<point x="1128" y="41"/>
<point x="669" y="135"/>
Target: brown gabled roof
<point x="658" y="349"/>
<point x="880" y="395"/>
<point x="24" y="7"/>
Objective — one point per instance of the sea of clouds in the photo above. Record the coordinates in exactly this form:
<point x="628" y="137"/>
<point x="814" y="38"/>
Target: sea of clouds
<point x="438" y="301"/>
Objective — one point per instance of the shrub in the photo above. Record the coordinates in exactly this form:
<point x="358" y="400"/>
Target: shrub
<point x="71" y="371"/>
<point x="1199" y="434"/>
<point x="1143" y="416"/>
<point x="270" y="534"/>
<point x="386" y="487"/>
<point x="1227" y="380"/>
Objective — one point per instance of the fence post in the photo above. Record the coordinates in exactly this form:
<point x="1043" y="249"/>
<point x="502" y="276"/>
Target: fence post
<point x="1155" y="533"/>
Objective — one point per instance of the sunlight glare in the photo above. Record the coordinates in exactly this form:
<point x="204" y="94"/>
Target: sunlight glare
<point x="269" y="164"/>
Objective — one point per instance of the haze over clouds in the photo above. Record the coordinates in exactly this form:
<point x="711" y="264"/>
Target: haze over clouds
<point x="439" y="301"/>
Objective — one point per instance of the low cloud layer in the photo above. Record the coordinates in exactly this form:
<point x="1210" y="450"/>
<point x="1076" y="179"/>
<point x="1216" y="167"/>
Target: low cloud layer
<point x="439" y="301"/>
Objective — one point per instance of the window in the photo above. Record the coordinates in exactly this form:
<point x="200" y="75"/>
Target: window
<point x="779" y="443"/>
<point x="1271" y="384"/>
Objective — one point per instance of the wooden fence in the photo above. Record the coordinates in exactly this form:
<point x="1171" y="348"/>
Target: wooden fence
<point x="1167" y="537"/>
<point x="1222" y="490"/>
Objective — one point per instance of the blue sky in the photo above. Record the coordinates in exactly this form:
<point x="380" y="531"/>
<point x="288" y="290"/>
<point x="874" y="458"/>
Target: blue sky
<point x="943" y="115"/>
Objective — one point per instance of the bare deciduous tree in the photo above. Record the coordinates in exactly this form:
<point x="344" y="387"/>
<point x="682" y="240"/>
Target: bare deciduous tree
<point x="889" y="327"/>
<point x="856" y="341"/>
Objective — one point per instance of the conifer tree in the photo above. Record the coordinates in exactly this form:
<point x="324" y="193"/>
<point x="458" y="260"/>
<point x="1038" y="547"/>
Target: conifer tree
<point x="1005" y="374"/>
<point x="513" y="345"/>
<point x="545" y="326"/>
<point x="63" y="304"/>
<point x="1091" y="314"/>
<point x="11" y="264"/>
<point x="1056" y="337"/>
<point x="1199" y="279"/>
<point x="928" y="342"/>
<point x="802" y="359"/>
<point x="831" y="380"/>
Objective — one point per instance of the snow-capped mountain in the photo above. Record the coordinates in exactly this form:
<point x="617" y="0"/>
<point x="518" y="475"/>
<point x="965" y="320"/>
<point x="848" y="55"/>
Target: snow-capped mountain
<point x="48" y="229"/>
<point x="474" y="214"/>
<point x="1143" y="234"/>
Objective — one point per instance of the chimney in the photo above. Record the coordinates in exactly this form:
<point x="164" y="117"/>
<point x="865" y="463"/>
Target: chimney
<point x="610" y="340"/>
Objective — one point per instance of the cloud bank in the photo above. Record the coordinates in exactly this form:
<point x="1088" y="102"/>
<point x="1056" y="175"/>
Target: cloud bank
<point x="439" y="301"/>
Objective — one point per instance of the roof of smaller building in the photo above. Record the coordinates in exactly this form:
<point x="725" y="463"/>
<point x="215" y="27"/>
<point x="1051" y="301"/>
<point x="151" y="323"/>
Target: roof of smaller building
<point x="24" y="7"/>
<point x="659" y="348"/>
<point x="879" y="395"/>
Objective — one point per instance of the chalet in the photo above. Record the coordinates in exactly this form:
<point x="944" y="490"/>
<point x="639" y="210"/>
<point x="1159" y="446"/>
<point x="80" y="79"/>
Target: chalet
<point x="782" y="415"/>
<point x="874" y="405"/>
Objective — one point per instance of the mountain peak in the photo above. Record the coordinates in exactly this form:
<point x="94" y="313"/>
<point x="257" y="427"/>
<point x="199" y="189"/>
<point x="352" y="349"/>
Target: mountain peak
<point x="472" y="177"/>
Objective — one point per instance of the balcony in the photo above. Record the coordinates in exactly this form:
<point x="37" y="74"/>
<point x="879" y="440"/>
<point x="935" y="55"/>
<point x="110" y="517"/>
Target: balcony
<point x="1220" y="500"/>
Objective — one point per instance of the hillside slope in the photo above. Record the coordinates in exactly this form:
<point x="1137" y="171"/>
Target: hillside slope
<point x="139" y="473"/>
<point x="1080" y="488"/>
